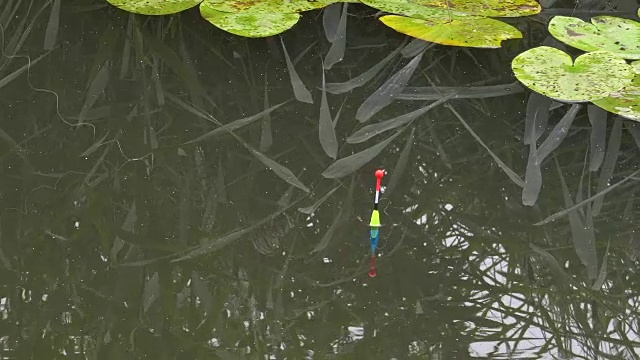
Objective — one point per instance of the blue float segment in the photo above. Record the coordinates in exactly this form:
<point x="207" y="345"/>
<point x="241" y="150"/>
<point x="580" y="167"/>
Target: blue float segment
<point x="374" y="235"/>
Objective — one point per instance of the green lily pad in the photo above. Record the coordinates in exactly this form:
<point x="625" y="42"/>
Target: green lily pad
<point x="250" y="24"/>
<point x="497" y="8"/>
<point x="154" y="7"/>
<point x="266" y="6"/>
<point x="604" y="33"/>
<point x="625" y="102"/>
<point x="551" y="72"/>
<point x="425" y="9"/>
<point x="468" y="32"/>
<point x="412" y="9"/>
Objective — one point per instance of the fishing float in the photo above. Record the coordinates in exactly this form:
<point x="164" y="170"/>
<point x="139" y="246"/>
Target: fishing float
<point x="374" y="224"/>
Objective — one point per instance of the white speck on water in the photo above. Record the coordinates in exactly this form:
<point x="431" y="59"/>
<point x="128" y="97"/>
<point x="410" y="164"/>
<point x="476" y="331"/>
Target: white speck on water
<point x="214" y="342"/>
<point x="356" y="332"/>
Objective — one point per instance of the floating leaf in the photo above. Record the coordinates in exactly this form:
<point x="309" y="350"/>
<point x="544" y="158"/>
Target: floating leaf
<point x="7" y="79"/>
<point x="211" y="245"/>
<point x="265" y="6"/>
<point x="415" y="47"/>
<point x="564" y="212"/>
<point x="487" y="33"/>
<point x="51" y="34"/>
<point x="386" y="92"/>
<point x="154" y="7"/>
<point x="299" y="90"/>
<point x="582" y="235"/>
<point x="96" y="89"/>
<point x="339" y="88"/>
<point x="250" y="24"/>
<point x="337" y="117"/>
<point x="346" y="166"/>
<point x="552" y="73"/>
<point x="403" y="160"/>
<point x="179" y="63"/>
<point x="326" y="131"/>
<point x="311" y="209"/>
<point x="605" y="33"/>
<point x="369" y="131"/>
<point x="336" y="51"/>
<point x="558" y="133"/>
<point x="537" y="116"/>
<point x="236" y="124"/>
<point x="282" y="172"/>
<point x="460" y="92"/>
<point x="498" y="8"/>
<point x="507" y="170"/>
<point x="331" y="21"/>
<point x="609" y="164"/>
<point x="598" y="120"/>
<point x="424" y="9"/>
<point x="414" y="9"/>
<point x="285" y="199"/>
<point x="533" y="174"/>
<point x="625" y="102"/>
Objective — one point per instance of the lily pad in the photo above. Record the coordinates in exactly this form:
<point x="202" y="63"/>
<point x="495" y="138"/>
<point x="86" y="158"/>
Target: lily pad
<point x="412" y="9"/>
<point x="625" y="102"/>
<point x="424" y="9"/>
<point x="266" y="6"/>
<point x="497" y="8"/>
<point x="468" y="32"/>
<point x="154" y="7"/>
<point x="604" y="33"/>
<point x="250" y="24"/>
<point x="552" y="72"/>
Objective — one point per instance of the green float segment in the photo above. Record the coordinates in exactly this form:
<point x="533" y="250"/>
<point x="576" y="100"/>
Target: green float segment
<point x="375" y="219"/>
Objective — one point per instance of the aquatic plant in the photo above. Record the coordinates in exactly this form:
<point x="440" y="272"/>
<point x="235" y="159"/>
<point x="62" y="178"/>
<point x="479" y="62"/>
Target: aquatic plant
<point x="455" y="22"/>
<point x="240" y="17"/>
<point x="127" y="242"/>
<point x="552" y="72"/>
<point x="608" y="40"/>
<point x="458" y="22"/>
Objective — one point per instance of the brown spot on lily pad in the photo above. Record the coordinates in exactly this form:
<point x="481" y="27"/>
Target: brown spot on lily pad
<point x="573" y="33"/>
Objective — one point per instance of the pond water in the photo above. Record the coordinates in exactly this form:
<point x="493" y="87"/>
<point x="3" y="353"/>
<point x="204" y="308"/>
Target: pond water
<point x="135" y="224"/>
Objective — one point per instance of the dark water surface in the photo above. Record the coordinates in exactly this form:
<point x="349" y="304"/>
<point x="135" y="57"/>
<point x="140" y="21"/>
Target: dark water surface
<point x="123" y="238"/>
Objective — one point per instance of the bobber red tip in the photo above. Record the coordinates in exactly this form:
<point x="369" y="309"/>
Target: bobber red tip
<point x="379" y="173"/>
<point x="372" y="267"/>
